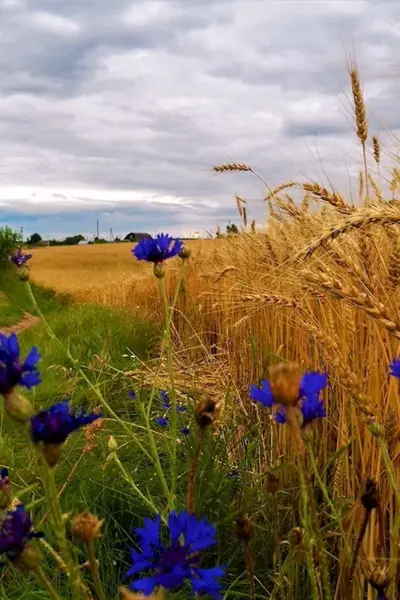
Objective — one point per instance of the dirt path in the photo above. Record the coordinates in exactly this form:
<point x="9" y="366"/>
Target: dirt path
<point x="28" y="321"/>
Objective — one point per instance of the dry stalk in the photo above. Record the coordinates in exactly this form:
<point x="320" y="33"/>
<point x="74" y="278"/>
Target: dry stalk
<point x="394" y="183"/>
<point x="244" y="211"/>
<point x="376" y="188"/>
<point x="360" y="186"/>
<point x="239" y="202"/>
<point x="270" y="299"/>
<point x="273" y="193"/>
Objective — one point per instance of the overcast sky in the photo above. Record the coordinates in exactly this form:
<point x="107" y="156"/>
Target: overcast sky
<point x="118" y="109"/>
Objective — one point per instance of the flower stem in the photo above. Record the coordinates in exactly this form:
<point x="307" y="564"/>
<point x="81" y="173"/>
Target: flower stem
<point x="45" y="583"/>
<point x="327" y="497"/>
<point x="77" y="587"/>
<point x="129" y="479"/>
<point x="250" y="570"/>
<point x="193" y="469"/>
<point x="156" y="457"/>
<point x="358" y="545"/>
<point x="293" y="422"/>
<point x="94" y="570"/>
<point x="167" y="337"/>
<point x="394" y="534"/>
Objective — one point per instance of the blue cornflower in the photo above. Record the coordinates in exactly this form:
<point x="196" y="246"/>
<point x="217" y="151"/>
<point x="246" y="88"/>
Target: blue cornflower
<point x="12" y="371"/>
<point x="15" y="532"/>
<point x="171" y="564"/>
<point x="311" y="408"/>
<point x="395" y="368"/>
<point x="158" y="249"/>
<point x="165" y="401"/>
<point x="132" y="395"/>
<point x="185" y="431"/>
<point x="181" y="408"/>
<point x="311" y="383"/>
<point x="53" y="426"/>
<point x="234" y="473"/>
<point x="162" y="421"/>
<point x="20" y="259"/>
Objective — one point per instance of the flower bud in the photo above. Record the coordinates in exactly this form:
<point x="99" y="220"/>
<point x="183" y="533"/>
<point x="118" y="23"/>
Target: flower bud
<point x="273" y="483"/>
<point x="5" y="490"/>
<point x="159" y="270"/>
<point x="296" y="536"/>
<point x="28" y="559"/>
<point x="112" y="444"/>
<point x="52" y="453"/>
<point x="285" y="380"/>
<point x="244" y="529"/>
<point x="23" y="273"/>
<point x="370" y="497"/>
<point x="86" y="527"/>
<point x="18" y="407"/>
<point x="185" y="253"/>
<point x="206" y="411"/>
<point x="379" y="578"/>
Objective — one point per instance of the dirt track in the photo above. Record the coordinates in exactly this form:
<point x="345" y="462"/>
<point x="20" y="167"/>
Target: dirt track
<point x="28" y="321"/>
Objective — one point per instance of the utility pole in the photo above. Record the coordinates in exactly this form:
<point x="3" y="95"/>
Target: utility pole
<point x="97" y="229"/>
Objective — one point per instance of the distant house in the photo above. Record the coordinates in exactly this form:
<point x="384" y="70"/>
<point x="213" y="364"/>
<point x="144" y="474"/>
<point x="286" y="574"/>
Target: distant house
<point x="136" y="237"/>
<point x="83" y="243"/>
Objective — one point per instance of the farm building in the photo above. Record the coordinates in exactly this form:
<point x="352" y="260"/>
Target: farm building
<point x="136" y="237"/>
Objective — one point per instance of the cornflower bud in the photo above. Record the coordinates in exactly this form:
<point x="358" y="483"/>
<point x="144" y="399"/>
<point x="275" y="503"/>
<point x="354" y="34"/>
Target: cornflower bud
<point x="86" y="527"/>
<point x="285" y="381"/>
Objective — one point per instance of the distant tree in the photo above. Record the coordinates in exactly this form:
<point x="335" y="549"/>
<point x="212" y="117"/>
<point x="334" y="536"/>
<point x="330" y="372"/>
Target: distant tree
<point x="34" y="239"/>
<point x="232" y="229"/>
<point x="73" y="240"/>
<point x="10" y="241"/>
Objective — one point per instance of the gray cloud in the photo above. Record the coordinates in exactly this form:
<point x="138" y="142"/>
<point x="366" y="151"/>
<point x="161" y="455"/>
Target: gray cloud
<point x="146" y="95"/>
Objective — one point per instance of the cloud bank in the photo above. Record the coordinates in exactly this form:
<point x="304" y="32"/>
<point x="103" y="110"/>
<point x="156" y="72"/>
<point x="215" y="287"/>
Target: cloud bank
<point x="118" y="110"/>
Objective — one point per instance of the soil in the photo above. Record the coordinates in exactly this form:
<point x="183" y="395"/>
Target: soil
<point x="28" y="321"/>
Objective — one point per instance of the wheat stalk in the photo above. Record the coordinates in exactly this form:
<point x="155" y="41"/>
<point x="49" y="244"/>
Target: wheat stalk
<point x="365" y="302"/>
<point x="361" y="118"/>
<point x="333" y="199"/>
<point x="231" y="167"/>
<point x="377" y="149"/>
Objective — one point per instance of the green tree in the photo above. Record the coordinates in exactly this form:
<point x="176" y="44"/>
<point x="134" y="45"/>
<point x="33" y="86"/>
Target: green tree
<point x="34" y="239"/>
<point x="10" y="241"/>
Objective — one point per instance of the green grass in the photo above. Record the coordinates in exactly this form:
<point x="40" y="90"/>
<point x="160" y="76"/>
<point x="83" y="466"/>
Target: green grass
<point x="107" y="344"/>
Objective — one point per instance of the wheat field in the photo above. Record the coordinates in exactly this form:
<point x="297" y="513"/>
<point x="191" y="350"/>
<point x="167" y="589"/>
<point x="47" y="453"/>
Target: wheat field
<point x="318" y="285"/>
